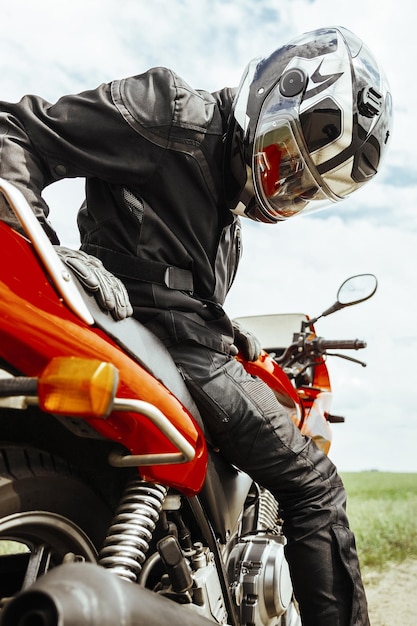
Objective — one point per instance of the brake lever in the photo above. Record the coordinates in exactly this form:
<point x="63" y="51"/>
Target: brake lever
<point x="347" y="358"/>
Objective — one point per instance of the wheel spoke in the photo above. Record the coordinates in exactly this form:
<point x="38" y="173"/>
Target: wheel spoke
<point x="39" y="561"/>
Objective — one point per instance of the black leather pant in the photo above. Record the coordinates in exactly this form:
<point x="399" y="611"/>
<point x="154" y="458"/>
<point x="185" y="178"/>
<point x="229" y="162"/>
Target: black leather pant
<point x="255" y="433"/>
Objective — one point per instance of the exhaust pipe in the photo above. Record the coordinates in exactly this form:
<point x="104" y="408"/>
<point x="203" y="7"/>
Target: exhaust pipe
<point x="85" y="594"/>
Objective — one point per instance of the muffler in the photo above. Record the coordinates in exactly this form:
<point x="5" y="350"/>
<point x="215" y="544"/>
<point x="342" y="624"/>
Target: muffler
<point x="85" y="594"/>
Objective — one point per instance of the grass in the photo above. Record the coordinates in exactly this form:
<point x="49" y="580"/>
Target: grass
<point x="382" y="510"/>
<point x="11" y="547"/>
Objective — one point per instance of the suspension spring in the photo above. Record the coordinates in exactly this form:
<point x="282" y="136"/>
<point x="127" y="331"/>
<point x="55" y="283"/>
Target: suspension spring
<point x="130" y="533"/>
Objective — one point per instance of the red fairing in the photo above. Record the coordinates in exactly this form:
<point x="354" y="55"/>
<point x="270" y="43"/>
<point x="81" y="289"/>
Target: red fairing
<point x="36" y="326"/>
<point x="270" y="372"/>
<point x="308" y="406"/>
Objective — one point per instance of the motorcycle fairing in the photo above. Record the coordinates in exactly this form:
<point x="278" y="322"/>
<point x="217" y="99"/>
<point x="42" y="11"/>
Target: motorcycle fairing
<point x="268" y="371"/>
<point x="36" y="326"/>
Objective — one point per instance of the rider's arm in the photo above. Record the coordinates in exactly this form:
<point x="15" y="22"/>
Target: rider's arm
<point x="117" y="132"/>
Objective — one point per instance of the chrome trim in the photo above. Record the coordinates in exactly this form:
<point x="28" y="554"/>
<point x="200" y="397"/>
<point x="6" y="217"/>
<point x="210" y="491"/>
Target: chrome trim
<point x="19" y="403"/>
<point x="61" y="278"/>
<point x="185" y="452"/>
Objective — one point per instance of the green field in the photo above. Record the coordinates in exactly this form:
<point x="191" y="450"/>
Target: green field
<point x="382" y="509"/>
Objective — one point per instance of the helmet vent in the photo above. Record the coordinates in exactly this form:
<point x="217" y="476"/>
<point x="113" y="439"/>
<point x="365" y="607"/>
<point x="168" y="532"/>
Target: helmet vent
<point x="369" y="102"/>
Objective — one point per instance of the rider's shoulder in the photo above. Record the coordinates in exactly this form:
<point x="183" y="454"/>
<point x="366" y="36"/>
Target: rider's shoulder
<point x="159" y="96"/>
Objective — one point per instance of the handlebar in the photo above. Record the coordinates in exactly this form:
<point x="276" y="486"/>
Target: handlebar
<point x="317" y="345"/>
<point x="338" y="344"/>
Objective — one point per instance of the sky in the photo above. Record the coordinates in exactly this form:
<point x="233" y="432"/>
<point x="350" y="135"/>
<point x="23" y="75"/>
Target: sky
<point x="53" y="48"/>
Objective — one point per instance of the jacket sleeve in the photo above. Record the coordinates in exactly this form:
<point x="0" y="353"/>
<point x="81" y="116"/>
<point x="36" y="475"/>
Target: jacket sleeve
<point x="117" y="132"/>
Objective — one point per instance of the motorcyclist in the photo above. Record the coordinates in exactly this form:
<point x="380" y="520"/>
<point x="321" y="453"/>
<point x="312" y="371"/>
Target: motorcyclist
<point x="168" y="170"/>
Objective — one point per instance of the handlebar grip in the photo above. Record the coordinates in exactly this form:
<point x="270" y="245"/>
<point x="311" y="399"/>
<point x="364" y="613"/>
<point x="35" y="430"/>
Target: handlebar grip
<point x="339" y="344"/>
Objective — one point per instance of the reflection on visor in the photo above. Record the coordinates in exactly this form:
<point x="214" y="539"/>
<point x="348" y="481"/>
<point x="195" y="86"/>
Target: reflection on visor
<point x="275" y="166"/>
<point x="282" y="177"/>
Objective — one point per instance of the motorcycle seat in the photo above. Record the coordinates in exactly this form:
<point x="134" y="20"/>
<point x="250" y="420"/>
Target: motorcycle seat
<point x="145" y="348"/>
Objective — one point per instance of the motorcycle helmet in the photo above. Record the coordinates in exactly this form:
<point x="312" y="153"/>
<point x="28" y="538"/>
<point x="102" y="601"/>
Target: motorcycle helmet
<point x="309" y="125"/>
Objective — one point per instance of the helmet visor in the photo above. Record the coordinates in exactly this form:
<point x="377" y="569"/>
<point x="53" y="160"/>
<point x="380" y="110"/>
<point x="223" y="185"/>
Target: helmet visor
<point x="283" y="175"/>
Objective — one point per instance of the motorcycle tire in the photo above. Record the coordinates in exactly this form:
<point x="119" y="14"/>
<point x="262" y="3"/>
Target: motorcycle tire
<point x="48" y="515"/>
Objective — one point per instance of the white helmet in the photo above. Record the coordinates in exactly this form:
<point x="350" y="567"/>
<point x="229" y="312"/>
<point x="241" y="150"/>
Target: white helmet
<point x="309" y="126"/>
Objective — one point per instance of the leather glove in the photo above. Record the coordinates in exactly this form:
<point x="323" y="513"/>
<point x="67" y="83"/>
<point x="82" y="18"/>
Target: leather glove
<point x="247" y="344"/>
<point x="109" y="291"/>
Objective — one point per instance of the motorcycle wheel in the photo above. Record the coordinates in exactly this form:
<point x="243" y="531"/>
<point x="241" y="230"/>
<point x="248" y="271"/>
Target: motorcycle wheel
<point x="48" y="515"/>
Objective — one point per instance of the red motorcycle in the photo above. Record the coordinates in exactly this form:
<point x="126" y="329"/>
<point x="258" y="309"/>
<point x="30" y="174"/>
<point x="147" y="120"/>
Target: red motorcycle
<point x="113" y="508"/>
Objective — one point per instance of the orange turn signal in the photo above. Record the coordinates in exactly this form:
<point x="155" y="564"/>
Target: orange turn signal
<point x="78" y="387"/>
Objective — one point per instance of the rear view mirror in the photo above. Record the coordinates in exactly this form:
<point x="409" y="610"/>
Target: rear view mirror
<point x="354" y="290"/>
<point x="357" y="289"/>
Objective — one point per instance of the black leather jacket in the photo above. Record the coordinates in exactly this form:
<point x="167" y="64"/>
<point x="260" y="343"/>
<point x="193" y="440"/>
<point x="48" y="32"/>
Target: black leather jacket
<point x="151" y="150"/>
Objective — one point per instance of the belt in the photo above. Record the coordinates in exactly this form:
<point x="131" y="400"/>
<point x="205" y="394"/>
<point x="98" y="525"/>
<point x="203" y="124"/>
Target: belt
<point x="125" y="265"/>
